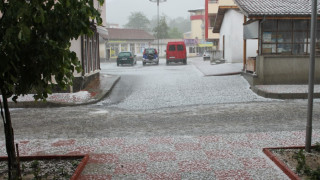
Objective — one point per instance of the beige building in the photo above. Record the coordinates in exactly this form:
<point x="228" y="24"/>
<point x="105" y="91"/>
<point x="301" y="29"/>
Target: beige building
<point x="195" y="40"/>
<point x="211" y="11"/>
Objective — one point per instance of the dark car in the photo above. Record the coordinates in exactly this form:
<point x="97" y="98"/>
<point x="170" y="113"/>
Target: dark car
<point x="126" y="58"/>
<point x="150" y="55"/>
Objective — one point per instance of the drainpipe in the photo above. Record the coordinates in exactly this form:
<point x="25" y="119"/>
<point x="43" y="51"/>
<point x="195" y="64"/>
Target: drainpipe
<point x="244" y="47"/>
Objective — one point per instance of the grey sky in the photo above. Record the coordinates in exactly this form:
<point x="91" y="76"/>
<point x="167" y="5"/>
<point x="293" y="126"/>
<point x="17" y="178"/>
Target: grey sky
<point x="119" y="10"/>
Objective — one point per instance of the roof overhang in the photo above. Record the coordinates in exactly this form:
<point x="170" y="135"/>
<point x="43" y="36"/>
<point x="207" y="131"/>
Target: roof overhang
<point x="103" y="32"/>
<point x="220" y="15"/>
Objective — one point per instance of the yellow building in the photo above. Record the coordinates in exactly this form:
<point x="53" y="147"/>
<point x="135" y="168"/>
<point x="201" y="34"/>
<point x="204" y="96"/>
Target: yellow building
<point x="195" y="39"/>
<point x="211" y="10"/>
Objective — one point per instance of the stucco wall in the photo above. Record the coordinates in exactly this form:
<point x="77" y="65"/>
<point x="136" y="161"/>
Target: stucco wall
<point x="76" y="47"/>
<point x="196" y="30"/>
<point x="285" y="70"/>
<point x="232" y="30"/>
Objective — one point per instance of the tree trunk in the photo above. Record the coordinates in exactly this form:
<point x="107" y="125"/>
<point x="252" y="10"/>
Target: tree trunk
<point x="13" y="166"/>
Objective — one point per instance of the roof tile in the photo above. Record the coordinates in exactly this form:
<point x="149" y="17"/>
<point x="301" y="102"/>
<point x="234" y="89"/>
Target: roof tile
<point x="275" y="7"/>
<point x="129" y="34"/>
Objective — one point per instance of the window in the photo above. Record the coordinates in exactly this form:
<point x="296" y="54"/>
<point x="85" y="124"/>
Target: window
<point x="212" y="20"/>
<point x="172" y="48"/>
<point x="287" y="37"/>
<point x="192" y="50"/>
<point x="90" y="53"/>
<point x="180" y="47"/>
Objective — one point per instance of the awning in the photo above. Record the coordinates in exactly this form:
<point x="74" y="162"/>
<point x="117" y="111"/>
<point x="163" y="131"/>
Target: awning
<point x="208" y="44"/>
<point x="103" y="32"/>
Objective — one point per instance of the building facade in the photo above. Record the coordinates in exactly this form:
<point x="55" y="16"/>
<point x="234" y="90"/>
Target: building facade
<point x="88" y="52"/>
<point x="229" y="26"/>
<point x="283" y="31"/>
<point x="195" y="40"/>
<point x="133" y="40"/>
<point x="211" y="11"/>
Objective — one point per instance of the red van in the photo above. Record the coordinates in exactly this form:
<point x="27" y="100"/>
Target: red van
<point x="176" y="52"/>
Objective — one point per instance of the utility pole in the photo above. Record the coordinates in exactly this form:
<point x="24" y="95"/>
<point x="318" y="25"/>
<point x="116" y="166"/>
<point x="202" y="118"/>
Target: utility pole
<point x="158" y="2"/>
<point x="314" y="8"/>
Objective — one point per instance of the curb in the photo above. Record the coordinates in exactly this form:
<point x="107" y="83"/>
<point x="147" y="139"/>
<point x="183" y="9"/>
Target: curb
<point x="282" y="95"/>
<point x="40" y="104"/>
<point x="224" y="74"/>
<point x="280" y="164"/>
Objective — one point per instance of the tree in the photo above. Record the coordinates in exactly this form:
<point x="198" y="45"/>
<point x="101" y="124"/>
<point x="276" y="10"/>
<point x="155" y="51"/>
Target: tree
<point x="137" y="20"/>
<point x="161" y="31"/>
<point x="182" y="24"/>
<point x="34" y="47"/>
<point x="174" y="33"/>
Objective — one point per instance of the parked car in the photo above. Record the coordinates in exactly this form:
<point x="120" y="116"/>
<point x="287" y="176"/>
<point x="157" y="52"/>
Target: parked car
<point x="126" y="57"/>
<point x="176" y="52"/>
<point x="206" y="55"/>
<point x="150" y="55"/>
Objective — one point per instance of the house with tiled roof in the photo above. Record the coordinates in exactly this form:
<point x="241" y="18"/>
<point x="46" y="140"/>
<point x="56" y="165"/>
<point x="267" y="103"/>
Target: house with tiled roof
<point x="282" y="29"/>
<point x="134" y="40"/>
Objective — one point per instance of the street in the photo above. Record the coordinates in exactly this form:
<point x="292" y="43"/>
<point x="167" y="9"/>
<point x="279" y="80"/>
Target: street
<point x="161" y="100"/>
<point x="163" y="122"/>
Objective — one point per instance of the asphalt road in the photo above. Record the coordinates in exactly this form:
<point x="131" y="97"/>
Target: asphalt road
<point x="166" y="100"/>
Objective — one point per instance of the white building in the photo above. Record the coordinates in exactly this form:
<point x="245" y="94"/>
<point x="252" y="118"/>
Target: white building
<point x="229" y="24"/>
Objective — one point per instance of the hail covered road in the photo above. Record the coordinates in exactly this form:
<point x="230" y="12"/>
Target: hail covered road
<point x="161" y="100"/>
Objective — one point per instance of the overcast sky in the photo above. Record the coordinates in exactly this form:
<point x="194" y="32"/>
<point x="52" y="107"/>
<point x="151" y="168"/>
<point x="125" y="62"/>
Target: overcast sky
<point x="119" y="10"/>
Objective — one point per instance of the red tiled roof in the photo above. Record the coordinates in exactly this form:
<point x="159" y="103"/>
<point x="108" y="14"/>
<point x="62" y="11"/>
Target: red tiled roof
<point x="275" y="7"/>
<point x="129" y="34"/>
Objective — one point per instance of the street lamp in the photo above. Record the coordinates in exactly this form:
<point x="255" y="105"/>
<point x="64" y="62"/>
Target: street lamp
<point x="158" y="2"/>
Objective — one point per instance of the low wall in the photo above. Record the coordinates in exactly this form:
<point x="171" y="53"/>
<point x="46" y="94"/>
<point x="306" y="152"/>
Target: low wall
<point x="285" y="70"/>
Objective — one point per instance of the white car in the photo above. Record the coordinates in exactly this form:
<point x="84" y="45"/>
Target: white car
<point x="206" y="56"/>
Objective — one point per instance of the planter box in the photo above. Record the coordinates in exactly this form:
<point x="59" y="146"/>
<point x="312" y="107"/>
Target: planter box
<point x="292" y="175"/>
<point x="77" y="172"/>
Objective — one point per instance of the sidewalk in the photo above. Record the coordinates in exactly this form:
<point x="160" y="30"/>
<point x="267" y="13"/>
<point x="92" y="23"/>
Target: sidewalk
<point x="94" y="92"/>
<point x="218" y="69"/>
<point x="285" y="91"/>
<point x="218" y="156"/>
<point x="268" y="91"/>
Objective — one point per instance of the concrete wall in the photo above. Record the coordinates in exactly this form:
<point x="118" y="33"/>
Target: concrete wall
<point x="284" y="70"/>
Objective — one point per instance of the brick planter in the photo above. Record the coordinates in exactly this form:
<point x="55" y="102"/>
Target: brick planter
<point x="292" y="175"/>
<point x="76" y="173"/>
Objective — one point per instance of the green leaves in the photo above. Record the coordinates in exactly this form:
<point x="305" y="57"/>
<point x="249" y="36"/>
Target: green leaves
<point x="35" y="40"/>
<point x="24" y="33"/>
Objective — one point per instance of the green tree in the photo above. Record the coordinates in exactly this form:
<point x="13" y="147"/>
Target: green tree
<point x="182" y="24"/>
<point x="34" y="47"/>
<point x="161" y="31"/>
<point x="174" y="33"/>
<point x="137" y="20"/>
